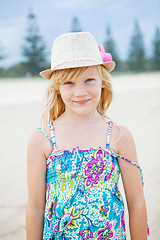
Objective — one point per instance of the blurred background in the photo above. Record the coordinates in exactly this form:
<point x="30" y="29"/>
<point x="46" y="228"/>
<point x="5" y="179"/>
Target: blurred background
<point x="130" y="31"/>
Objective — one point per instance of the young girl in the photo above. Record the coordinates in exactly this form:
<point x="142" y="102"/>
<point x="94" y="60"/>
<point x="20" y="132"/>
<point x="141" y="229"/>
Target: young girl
<point x="74" y="161"/>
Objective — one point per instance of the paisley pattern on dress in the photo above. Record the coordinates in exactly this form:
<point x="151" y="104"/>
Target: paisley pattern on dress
<point x="83" y="199"/>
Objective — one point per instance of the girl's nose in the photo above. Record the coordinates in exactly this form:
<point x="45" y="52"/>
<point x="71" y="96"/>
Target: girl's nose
<point x="80" y="90"/>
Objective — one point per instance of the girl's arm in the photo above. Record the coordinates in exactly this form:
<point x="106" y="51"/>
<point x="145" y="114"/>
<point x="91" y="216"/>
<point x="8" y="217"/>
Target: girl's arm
<point x="36" y="173"/>
<point x="132" y="182"/>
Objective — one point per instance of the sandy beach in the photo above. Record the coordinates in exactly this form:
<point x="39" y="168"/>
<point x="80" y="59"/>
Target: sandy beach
<point x="136" y="105"/>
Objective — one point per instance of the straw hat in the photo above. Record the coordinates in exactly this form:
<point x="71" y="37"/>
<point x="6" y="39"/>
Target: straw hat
<point x="78" y="49"/>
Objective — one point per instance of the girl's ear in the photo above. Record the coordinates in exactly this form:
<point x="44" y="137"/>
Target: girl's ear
<point x="103" y="85"/>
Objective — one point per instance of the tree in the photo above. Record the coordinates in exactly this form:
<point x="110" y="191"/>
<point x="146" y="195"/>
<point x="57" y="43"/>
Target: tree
<point x="156" y="50"/>
<point x="110" y="47"/>
<point x="136" y="55"/>
<point x="34" y="50"/>
<point x="2" y="52"/>
<point x="76" y="27"/>
<point x="2" y="56"/>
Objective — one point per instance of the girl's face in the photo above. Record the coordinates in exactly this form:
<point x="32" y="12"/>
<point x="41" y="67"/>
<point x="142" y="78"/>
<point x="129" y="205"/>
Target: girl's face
<point x="81" y="95"/>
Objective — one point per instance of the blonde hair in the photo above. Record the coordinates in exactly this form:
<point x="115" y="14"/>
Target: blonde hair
<point x="55" y="106"/>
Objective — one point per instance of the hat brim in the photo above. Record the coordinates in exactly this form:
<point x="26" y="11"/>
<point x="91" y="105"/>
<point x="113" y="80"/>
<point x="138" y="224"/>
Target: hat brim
<point x="47" y="73"/>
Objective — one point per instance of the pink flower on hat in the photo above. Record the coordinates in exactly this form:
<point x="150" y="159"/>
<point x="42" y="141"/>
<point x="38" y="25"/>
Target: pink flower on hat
<point x="107" y="57"/>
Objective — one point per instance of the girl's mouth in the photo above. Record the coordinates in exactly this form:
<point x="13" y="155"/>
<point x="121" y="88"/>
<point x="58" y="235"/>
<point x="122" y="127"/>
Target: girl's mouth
<point x="82" y="101"/>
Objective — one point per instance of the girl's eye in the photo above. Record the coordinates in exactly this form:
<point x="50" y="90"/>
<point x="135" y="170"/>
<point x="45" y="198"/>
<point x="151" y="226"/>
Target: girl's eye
<point x="89" y="80"/>
<point x="68" y="83"/>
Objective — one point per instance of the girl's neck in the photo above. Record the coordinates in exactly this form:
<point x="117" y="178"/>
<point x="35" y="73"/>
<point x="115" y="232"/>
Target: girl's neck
<point x="74" y="119"/>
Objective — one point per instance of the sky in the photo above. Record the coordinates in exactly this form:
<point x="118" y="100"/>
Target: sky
<point x="54" y="17"/>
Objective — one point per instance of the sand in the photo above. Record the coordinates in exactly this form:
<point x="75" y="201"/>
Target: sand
<point x="136" y="105"/>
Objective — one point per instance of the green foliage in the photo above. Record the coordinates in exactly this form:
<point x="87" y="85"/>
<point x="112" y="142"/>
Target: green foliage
<point x="156" y="50"/>
<point x="136" y="55"/>
<point x="110" y="47"/>
<point x="34" y="50"/>
<point x="17" y="70"/>
<point x="76" y="27"/>
<point x="2" y="52"/>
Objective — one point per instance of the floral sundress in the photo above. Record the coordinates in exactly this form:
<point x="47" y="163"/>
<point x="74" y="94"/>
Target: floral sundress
<point x="83" y="200"/>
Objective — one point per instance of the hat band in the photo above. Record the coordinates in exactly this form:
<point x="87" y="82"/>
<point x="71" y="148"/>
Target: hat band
<point x="76" y="63"/>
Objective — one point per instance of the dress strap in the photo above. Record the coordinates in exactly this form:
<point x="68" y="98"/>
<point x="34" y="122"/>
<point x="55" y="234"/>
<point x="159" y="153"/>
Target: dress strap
<point x="51" y="127"/>
<point x="42" y="130"/>
<point x="129" y="161"/>
<point x="109" y="134"/>
<point x="136" y="165"/>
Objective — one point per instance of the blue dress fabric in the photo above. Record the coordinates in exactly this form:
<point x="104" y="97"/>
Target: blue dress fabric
<point x="83" y="200"/>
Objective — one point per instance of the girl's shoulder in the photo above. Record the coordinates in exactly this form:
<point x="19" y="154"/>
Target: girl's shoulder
<point x="39" y="141"/>
<point x="122" y="137"/>
<point x="121" y="130"/>
<point x="37" y="135"/>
